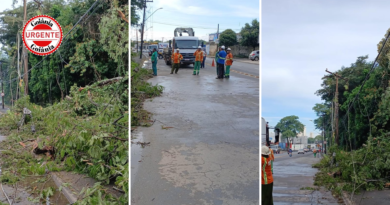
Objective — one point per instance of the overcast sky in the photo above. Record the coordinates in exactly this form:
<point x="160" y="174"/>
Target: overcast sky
<point x="7" y="4"/>
<point x="202" y="15"/>
<point x="301" y="38"/>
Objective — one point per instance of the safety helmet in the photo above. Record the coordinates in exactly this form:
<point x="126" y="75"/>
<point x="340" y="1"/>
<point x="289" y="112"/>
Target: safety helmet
<point x="229" y="49"/>
<point x="265" y="150"/>
<point x="199" y="46"/>
<point x="223" y="47"/>
<point x="178" y="49"/>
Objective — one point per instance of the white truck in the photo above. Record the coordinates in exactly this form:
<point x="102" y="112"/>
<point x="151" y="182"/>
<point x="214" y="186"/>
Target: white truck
<point x="186" y="44"/>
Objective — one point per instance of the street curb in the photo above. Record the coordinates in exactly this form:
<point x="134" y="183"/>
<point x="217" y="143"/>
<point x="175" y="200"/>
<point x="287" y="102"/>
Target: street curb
<point x="67" y="193"/>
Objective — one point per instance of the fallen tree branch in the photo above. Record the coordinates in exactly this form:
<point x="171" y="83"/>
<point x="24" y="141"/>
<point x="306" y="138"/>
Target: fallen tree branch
<point x="117" y="189"/>
<point x="104" y="82"/>
<point x="114" y="123"/>
<point x="5" y="194"/>
<point x="123" y="16"/>
<point x="118" y="138"/>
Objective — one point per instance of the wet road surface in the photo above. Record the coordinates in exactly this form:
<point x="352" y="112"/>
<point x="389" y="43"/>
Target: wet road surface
<point x="291" y="174"/>
<point x="210" y="156"/>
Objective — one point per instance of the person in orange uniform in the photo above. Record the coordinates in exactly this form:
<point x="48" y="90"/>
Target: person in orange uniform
<point x="176" y="58"/>
<point x="228" y="62"/>
<point x="267" y="180"/>
<point x="198" y="59"/>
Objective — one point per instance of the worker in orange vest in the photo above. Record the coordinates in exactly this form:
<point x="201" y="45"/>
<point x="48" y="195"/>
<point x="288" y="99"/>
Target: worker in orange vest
<point x="266" y="177"/>
<point x="228" y="62"/>
<point x="198" y="59"/>
<point x="176" y="58"/>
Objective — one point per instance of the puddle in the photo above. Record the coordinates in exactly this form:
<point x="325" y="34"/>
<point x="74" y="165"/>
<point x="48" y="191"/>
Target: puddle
<point x="35" y="183"/>
<point x="136" y="153"/>
<point x="30" y="187"/>
<point x="145" y="64"/>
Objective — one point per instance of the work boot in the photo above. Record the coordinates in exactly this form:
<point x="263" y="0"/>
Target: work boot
<point x="194" y="74"/>
<point x="171" y="73"/>
<point x="197" y="73"/>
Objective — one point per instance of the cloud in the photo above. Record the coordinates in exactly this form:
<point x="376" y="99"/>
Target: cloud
<point x="183" y="7"/>
<point x="301" y="38"/>
<point x="245" y="11"/>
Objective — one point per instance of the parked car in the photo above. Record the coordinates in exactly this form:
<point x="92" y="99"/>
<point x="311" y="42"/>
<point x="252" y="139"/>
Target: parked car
<point x="301" y="151"/>
<point x="305" y="149"/>
<point x="254" y="56"/>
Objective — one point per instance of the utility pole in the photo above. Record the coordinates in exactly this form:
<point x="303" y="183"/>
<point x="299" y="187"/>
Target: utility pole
<point x="143" y="27"/>
<point x="17" y="90"/>
<point x="136" y="33"/>
<point x="323" y="133"/>
<point x="337" y="76"/>
<point x="25" y="54"/>
<point x="218" y="38"/>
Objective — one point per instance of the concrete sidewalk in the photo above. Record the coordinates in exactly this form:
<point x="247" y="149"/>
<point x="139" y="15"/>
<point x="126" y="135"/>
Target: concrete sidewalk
<point x="377" y="197"/>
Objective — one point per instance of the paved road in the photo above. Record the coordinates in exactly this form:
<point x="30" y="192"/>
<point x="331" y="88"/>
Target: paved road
<point x="211" y="155"/>
<point x="291" y="174"/>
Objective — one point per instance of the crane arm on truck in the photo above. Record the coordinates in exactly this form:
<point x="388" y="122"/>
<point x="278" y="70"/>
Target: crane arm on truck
<point x="190" y="31"/>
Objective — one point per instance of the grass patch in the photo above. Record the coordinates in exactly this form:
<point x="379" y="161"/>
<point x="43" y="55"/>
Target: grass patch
<point x="140" y="91"/>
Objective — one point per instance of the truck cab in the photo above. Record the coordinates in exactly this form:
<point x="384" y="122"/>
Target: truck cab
<point x="151" y="47"/>
<point x="187" y="46"/>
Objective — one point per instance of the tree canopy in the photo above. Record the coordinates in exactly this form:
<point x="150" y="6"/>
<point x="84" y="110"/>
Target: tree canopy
<point x="228" y="38"/>
<point x="250" y="34"/>
<point x="96" y="49"/>
<point x="368" y="112"/>
<point x="290" y="126"/>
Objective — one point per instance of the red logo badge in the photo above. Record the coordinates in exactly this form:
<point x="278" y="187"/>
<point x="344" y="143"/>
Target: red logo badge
<point x="42" y="35"/>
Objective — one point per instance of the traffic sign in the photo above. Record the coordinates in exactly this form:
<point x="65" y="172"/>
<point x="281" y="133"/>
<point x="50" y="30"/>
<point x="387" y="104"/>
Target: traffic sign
<point x="2" y="94"/>
<point x="324" y="142"/>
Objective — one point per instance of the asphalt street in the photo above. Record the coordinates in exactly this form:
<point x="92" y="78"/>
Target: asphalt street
<point x="292" y="176"/>
<point x="210" y="155"/>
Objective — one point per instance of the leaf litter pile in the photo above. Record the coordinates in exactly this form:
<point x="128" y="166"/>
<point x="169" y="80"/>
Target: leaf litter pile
<point x="367" y="168"/>
<point x="87" y="132"/>
<point x="140" y="91"/>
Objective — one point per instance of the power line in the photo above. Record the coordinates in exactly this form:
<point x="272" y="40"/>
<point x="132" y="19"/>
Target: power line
<point x="210" y="28"/>
<point x="374" y="65"/>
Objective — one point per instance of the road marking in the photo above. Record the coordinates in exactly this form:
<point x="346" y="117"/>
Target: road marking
<point x="239" y="72"/>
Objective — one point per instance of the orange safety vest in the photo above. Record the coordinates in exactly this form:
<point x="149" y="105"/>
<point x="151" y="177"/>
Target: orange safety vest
<point x="198" y="55"/>
<point x="176" y="57"/>
<point x="229" y="59"/>
<point x="266" y="171"/>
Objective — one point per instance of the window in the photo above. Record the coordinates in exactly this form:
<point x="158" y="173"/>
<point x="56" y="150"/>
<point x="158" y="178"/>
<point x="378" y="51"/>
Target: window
<point x="186" y="44"/>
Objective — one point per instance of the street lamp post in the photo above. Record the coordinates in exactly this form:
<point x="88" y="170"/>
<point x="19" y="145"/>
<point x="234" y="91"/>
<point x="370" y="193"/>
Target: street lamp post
<point x="143" y="26"/>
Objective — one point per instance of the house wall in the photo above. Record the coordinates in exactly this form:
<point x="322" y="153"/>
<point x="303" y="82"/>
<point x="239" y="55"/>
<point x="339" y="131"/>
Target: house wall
<point x="236" y="50"/>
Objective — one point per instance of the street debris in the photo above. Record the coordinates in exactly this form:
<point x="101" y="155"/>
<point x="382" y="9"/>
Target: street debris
<point x="143" y="144"/>
<point x="165" y="128"/>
